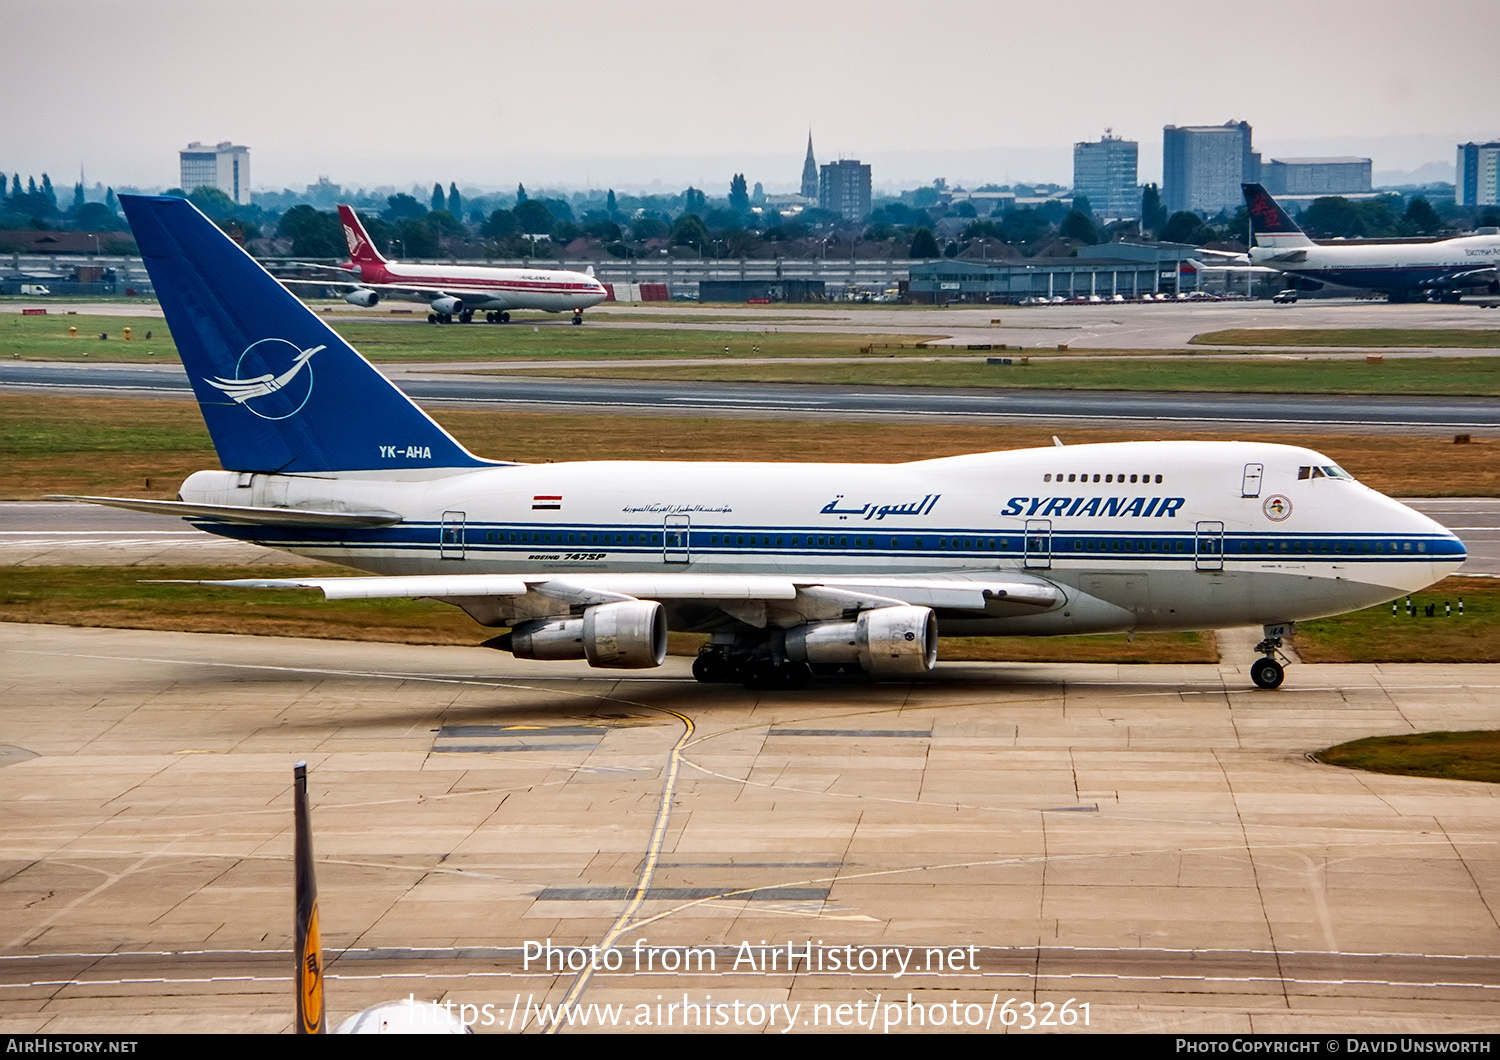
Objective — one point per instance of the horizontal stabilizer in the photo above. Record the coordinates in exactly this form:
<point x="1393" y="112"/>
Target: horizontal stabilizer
<point x="235" y="513"/>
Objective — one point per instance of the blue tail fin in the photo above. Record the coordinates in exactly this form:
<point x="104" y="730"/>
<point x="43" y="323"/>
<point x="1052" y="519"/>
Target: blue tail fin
<point x="279" y="389"/>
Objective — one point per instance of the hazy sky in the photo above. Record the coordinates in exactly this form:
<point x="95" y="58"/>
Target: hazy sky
<point x="623" y="93"/>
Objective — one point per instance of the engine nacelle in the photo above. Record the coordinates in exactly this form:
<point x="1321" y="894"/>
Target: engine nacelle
<point x="887" y="640"/>
<point x="545" y="638"/>
<point x="363" y="297"/>
<point x="448" y="305"/>
<point x="629" y="635"/>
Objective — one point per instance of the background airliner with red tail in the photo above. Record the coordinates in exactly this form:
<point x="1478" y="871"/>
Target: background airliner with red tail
<point x="456" y="291"/>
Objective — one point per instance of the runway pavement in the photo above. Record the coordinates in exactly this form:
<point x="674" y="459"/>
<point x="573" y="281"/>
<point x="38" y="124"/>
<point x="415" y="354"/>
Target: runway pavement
<point x="444" y="388"/>
<point x="1157" y="325"/>
<point x="1151" y="841"/>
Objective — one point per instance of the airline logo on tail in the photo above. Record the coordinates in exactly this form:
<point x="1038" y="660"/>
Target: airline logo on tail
<point x="352" y="238"/>
<point x="284" y="393"/>
<point x="1273" y="226"/>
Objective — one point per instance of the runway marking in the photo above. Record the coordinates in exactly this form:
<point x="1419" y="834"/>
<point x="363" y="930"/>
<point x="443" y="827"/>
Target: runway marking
<point x="648" y="869"/>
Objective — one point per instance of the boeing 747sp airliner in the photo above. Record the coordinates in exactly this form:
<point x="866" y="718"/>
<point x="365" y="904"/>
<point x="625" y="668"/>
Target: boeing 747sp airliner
<point x="791" y="568"/>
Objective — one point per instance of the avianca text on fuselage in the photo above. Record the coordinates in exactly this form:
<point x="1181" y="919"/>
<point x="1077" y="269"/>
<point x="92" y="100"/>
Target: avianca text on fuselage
<point x="1102" y="507"/>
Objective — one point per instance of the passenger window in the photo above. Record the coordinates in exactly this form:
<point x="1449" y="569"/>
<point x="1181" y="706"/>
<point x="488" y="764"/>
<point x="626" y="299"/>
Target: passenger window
<point x="1132" y="478"/>
<point x="1158" y="478"/>
<point x="1046" y="478"/>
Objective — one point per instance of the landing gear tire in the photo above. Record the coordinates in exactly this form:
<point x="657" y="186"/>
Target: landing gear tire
<point x="711" y="668"/>
<point x="505" y="318"/>
<point x="445" y="318"/>
<point x="795" y="676"/>
<point x="578" y="318"/>
<point x="432" y="318"/>
<point x="1267" y="673"/>
<point x="466" y="317"/>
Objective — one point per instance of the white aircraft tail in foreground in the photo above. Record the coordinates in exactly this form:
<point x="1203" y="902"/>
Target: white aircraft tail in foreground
<point x="792" y="569"/>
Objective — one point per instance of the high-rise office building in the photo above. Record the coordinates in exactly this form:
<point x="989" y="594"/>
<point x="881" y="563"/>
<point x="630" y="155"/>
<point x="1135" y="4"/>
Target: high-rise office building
<point x="1105" y="172"/>
<point x="225" y="166"/>
<point x="810" y="174"/>
<point x="1203" y="166"/>
<point x="1478" y="170"/>
<point x="844" y="189"/>
<point x="1317" y="176"/>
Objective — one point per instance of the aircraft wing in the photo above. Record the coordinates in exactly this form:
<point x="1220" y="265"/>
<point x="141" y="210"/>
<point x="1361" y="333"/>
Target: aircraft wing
<point x="410" y="291"/>
<point x="756" y="599"/>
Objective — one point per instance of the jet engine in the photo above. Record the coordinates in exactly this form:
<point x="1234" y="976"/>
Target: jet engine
<point x="363" y="296"/>
<point x="448" y="306"/>
<point x="628" y="635"/>
<point x="886" y="640"/>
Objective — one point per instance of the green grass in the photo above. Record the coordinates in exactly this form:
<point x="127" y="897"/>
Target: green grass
<point x="1442" y="338"/>
<point x="1455" y="376"/>
<point x="1445" y="755"/>
<point x="46" y="338"/>
<point x="53" y="443"/>
<point x="120" y="597"/>
<point x="1375" y="635"/>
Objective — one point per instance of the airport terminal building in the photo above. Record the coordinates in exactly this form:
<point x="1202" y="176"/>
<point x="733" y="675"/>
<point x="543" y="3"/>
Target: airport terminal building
<point x="1126" y="269"/>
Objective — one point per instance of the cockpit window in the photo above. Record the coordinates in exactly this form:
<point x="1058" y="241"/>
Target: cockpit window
<point x="1323" y="471"/>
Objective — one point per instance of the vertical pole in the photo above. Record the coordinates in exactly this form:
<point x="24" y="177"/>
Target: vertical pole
<point x="308" y="944"/>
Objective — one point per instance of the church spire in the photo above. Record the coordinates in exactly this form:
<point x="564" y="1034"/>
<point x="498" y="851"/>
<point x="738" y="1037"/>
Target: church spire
<point x="810" y="172"/>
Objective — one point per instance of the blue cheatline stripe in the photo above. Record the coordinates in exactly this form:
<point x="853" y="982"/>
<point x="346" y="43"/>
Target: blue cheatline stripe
<point x="516" y="538"/>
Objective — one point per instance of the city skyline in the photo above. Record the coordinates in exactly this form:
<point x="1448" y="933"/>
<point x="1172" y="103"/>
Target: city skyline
<point x="316" y="95"/>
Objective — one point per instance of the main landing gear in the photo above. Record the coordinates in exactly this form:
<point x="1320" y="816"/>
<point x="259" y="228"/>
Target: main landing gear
<point x="759" y="673"/>
<point x="497" y="318"/>
<point x="439" y="318"/>
<point x="1267" y="672"/>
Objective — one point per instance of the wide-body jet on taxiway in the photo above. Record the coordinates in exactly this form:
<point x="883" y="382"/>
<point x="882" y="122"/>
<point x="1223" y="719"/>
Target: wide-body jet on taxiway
<point x="792" y="569"/>
<point x="1438" y="270"/>
<point x="453" y="291"/>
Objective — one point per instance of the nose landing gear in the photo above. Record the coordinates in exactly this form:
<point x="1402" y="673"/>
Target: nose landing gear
<point x="578" y="316"/>
<point x="1267" y="672"/>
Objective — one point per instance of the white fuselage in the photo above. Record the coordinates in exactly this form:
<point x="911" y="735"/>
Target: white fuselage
<point x="1140" y="535"/>
<point x="484" y="288"/>
<point x="1392" y="267"/>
